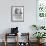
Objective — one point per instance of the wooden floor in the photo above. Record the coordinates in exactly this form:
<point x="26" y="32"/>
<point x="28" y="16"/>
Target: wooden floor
<point x="13" y="44"/>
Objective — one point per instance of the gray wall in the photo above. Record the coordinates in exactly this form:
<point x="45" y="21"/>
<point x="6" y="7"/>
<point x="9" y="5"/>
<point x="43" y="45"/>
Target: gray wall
<point x="29" y="15"/>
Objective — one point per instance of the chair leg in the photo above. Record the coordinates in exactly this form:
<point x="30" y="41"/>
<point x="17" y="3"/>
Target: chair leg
<point x="5" y="43"/>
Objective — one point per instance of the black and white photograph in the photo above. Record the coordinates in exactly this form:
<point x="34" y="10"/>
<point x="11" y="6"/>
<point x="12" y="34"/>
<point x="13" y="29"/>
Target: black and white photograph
<point x="17" y="13"/>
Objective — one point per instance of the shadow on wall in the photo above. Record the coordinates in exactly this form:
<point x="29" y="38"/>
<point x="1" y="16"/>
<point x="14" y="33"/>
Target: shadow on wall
<point x="7" y="30"/>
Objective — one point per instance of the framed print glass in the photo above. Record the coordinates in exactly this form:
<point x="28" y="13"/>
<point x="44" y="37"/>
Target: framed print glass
<point x="17" y="13"/>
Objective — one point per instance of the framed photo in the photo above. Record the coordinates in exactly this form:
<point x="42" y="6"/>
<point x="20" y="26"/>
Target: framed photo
<point x="17" y="13"/>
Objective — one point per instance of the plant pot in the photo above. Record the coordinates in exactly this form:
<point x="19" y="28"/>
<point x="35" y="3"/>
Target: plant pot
<point x="40" y="41"/>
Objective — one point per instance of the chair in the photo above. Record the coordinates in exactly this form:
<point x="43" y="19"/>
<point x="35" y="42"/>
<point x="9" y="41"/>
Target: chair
<point x="26" y="41"/>
<point x="7" y="35"/>
<point x="14" y="32"/>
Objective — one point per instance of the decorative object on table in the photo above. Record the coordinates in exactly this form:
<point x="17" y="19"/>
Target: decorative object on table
<point x="17" y="13"/>
<point x="14" y="30"/>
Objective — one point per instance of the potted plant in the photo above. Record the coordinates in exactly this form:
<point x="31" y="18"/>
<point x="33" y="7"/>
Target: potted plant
<point x="39" y="35"/>
<point x="35" y="26"/>
<point x="38" y="27"/>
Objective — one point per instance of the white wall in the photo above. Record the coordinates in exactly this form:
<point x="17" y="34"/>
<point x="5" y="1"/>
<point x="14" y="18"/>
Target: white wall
<point x="29" y="15"/>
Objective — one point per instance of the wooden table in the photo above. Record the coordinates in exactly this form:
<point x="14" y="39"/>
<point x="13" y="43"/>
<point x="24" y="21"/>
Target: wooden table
<point x="17" y="43"/>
